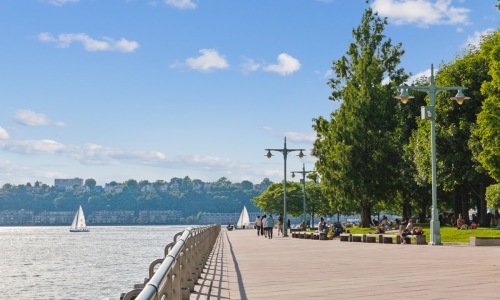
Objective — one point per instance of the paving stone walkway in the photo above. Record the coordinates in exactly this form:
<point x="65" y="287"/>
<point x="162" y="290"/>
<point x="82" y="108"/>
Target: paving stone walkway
<point x="246" y="266"/>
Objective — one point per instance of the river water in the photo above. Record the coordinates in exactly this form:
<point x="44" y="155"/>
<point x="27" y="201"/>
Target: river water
<point x="52" y="263"/>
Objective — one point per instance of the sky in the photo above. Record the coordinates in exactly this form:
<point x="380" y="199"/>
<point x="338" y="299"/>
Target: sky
<point x="155" y="89"/>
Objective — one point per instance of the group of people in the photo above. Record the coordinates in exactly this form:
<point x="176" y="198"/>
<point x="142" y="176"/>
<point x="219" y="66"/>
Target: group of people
<point x="336" y="228"/>
<point x="409" y="230"/>
<point x="265" y="225"/>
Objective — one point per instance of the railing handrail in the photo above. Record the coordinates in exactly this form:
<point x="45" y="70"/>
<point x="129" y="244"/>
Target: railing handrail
<point x="177" y="255"/>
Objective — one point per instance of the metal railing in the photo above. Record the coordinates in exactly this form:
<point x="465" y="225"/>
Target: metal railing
<point x="181" y="267"/>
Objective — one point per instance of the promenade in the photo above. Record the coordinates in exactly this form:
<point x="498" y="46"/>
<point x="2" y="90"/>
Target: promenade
<point x="245" y="266"/>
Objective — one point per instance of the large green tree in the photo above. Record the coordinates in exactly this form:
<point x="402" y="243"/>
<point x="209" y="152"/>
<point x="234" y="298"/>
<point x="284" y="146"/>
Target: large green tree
<point x="356" y="151"/>
<point x="486" y="134"/>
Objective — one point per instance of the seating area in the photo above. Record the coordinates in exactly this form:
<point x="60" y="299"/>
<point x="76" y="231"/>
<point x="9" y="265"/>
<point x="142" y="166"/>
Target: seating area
<point x="309" y="235"/>
<point x="382" y="238"/>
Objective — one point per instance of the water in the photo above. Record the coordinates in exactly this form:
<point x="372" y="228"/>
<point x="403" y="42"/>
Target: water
<point x="52" y="263"/>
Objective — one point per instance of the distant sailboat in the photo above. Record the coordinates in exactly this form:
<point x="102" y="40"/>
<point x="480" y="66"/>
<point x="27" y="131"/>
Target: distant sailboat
<point x="79" y="224"/>
<point x="244" y="219"/>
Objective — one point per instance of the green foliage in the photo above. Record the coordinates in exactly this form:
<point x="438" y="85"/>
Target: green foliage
<point x="488" y="120"/>
<point x="90" y="183"/>
<point x="356" y="151"/>
<point x="493" y="196"/>
<point x="272" y="199"/>
<point x="190" y="199"/>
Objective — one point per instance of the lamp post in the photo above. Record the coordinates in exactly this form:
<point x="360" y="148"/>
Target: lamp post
<point x="428" y="114"/>
<point x="303" y="172"/>
<point x="285" y="152"/>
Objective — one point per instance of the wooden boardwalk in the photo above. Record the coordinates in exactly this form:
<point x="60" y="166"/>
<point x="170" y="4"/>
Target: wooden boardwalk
<point x="245" y="266"/>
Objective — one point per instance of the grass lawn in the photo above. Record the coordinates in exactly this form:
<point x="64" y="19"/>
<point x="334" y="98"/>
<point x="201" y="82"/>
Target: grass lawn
<point x="448" y="234"/>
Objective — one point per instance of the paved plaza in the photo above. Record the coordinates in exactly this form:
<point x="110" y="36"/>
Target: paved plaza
<point x="245" y="266"/>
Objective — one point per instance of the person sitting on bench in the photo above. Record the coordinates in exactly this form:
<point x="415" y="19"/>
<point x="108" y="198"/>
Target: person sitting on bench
<point x="407" y="231"/>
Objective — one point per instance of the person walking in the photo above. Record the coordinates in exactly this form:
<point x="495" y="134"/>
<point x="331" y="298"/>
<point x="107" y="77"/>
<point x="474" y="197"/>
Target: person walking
<point x="258" y="224"/>
<point x="263" y="231"/>
<point x="270" y="226"/>
<point x="280" y="224"/>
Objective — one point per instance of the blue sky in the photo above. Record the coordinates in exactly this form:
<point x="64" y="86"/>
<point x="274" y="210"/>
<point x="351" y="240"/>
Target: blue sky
<point x="148" y="90"/>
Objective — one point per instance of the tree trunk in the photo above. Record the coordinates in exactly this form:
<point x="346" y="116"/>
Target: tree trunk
<point x="482" y="209"/>
<point x="406" y="210"/>
<point x="366" y="214"/>
<point x="457" y="208"/>
<point x="464" y="202"/>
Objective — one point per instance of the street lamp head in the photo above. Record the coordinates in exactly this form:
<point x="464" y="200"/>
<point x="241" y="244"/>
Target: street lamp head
<point x="460" y="97"/>
<point x="293" y="174"/>
<point x="269" y="154"/>
<point x="301" y="155"/>
<point x="404" y="96"/>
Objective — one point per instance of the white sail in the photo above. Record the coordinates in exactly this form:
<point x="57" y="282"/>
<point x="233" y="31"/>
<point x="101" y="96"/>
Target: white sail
<point x="79" y="224"/>
<point x="244" y="219"/>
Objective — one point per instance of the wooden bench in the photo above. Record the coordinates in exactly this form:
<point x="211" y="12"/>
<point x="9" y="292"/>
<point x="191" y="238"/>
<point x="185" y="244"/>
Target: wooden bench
<point x="419" y="239"/>
<point x="349" y="237"/>
<point x="345" y="237"/>
<point x="484" y="241"/>
<point x="319" y="236"/>
<point x="360" y="238"/>
<point x="372" y="238"/>
<point x="382" y="238"/>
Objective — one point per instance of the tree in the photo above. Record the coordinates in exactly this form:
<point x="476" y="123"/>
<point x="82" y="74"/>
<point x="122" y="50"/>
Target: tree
<point x="493" y="196"/>
<point x="488" y="120"/>
<point x="90" y="183"/>
<point x="246" y="185"/>
<point x="356" y="154"/>
<point x="271" y="200"/>
<point x="458" y="172"/>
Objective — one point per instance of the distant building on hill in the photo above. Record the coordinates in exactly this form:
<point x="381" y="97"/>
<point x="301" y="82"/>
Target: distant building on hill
<point x="68" y="183"/>
<point x="159" y="216"/>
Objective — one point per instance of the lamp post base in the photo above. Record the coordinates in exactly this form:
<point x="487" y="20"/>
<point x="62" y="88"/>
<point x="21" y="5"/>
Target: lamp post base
<point x="435" y="233"/>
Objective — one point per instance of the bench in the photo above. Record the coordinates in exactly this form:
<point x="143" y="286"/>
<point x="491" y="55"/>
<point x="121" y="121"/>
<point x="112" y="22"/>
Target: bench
<point x="484" y="241"/>
<point x="372" y="238"/>
<point x="419" y="239"/>
<point x="319" y="236"/>
<point x="358" y="238"/>
<point x="349" y="237"/>
<point x="345" y="237"/>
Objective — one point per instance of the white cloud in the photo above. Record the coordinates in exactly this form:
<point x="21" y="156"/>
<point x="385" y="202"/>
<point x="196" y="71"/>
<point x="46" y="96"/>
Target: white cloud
<point x="421" y="12"/>
<point x="4" y="135"/>
<point x="328" y="74"/>
<point x="414" y="78"/>
<point x="182" y="4"/>
<point x="286" y="65"/>
<point x="93" y="154"/>
<point x="64" y="40"/>
<point x="32" y="146"/>
<point x="208" y="60"/>
<point x="475" y="39"/>
<point x="30" y="118"/>
<point x="424" y="74"/>
<point x="59" y="2"/>
<point x="300" y="137"/>
<point x="250" y="65"/>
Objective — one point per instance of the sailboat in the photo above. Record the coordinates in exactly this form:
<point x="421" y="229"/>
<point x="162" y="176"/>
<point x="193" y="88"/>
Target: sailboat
<point x="244" y="219"/>
<point x="79" y="224"/>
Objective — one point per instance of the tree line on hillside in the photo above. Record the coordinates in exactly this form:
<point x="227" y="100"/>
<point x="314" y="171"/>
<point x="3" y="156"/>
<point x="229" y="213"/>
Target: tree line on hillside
<point x="374" y="153"/>
<point x="222" y="196"/>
